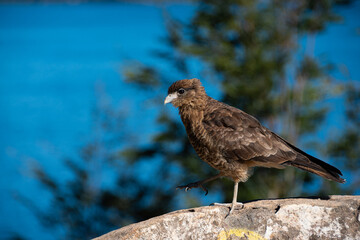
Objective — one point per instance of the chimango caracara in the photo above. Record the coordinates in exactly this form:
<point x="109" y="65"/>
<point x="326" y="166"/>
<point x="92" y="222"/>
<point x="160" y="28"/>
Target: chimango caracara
<point x="234" y="142"/>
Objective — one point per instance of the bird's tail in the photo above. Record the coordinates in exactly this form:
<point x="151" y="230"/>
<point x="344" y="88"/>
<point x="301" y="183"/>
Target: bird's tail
<point x="312" y="164"/>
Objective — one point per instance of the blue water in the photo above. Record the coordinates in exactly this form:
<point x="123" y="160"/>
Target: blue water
<point x="51" y="59"/>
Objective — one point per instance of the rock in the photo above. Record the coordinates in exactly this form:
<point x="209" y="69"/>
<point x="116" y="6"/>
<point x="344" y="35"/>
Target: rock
<point x="337" y="217"/>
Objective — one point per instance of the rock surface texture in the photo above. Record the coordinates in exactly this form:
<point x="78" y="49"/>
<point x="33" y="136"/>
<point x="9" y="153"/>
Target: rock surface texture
<point x="337" y="217"/>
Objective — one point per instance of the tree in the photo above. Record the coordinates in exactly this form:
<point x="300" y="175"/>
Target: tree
<point x="104" y="190"/>
<point x="345" y="146"/>
<point x="248" y="48"/>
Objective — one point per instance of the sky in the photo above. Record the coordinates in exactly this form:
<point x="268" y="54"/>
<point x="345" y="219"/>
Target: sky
<point x="52" y="58"/>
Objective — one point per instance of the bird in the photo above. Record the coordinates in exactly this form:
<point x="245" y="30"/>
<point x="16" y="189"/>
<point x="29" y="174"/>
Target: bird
<point x="234" y="142"/>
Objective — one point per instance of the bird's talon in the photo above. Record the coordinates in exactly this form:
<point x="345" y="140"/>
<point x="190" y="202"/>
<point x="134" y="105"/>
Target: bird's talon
<point x="193" y="185"/>
<point x="205" y="190"/>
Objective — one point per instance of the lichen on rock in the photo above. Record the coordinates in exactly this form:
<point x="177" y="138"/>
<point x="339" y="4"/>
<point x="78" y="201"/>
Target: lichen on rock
<point x="337" y="217"/>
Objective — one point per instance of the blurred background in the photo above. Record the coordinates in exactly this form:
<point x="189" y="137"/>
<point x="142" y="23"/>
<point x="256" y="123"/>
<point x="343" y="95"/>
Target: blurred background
<point x="86" y="145"/>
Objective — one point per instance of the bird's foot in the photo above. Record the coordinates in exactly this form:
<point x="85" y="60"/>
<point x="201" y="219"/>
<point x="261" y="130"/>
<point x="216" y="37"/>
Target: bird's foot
<point x="189" y="186"/>
<point x="232" y="206"/>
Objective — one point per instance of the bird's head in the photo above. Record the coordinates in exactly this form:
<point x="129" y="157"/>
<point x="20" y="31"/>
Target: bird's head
<point x="186" y="92"/>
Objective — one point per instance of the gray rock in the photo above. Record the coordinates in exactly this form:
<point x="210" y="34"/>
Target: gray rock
<point x="296" y="218"/>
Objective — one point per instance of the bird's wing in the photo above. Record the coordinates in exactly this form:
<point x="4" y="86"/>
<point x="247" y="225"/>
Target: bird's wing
<point x="240" y="137"/>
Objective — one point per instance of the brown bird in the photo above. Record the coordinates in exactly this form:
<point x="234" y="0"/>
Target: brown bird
<point x="233" y="141"/>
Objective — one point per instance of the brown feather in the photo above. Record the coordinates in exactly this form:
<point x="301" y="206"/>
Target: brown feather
<point x="233" y="141"/>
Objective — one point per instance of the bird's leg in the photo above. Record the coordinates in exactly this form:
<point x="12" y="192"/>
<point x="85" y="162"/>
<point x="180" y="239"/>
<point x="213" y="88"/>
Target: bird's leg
<point x="199" y="184"/>
<point x="234" y="201"/>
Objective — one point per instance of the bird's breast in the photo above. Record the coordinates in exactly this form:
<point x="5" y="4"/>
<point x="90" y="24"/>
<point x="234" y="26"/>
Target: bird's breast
<point x="204" y="145"/>
<point x="208" y="150"/>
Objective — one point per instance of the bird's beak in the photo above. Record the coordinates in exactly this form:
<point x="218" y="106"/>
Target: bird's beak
<point x="170" y="98"/>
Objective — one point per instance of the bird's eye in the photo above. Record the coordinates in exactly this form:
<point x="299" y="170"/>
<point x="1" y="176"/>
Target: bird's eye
<point x="181" y="91"/>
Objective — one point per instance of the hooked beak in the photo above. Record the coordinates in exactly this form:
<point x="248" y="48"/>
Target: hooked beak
<point x="170" y="98"/>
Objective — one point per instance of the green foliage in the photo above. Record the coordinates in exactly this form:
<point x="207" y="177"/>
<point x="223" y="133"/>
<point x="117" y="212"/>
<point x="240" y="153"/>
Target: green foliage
<point x="142" y="76"/>
<point x="250" y="49"/>
<point x="345" y="147"/>
<point x="86" y="205"/>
